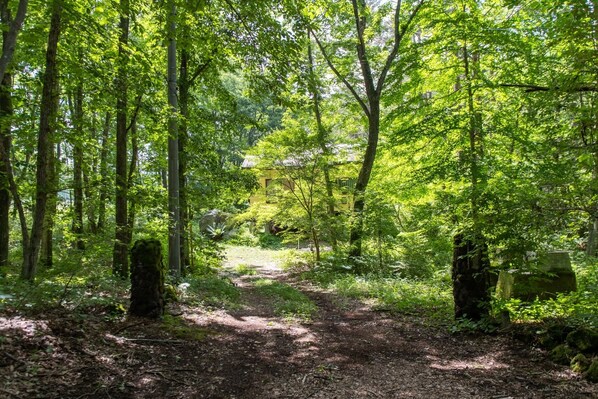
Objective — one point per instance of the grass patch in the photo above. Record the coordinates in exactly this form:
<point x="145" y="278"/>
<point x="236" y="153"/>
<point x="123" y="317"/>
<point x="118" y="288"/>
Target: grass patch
<point x="244" y="270"/>
<point x="427" y="298"/>
<point x="289" y="302"/>
<point x="182" y="329"/>
<point x="211" y="291"/>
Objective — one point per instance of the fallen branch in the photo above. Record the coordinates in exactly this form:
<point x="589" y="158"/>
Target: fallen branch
<point x="129" y="326"/>
<point x="158" y="341"/>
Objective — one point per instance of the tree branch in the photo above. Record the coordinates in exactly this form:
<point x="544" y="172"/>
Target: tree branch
<point x="529" y="88"/>
<point x="363" y="105"/>
<point x="399" y="35"/>
<point x="135" y="113"/>
<point x="200" y="69"/>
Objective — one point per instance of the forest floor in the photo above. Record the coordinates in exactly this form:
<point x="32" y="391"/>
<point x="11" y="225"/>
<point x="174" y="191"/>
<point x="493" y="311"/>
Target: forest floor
<point x="346" y="349"/>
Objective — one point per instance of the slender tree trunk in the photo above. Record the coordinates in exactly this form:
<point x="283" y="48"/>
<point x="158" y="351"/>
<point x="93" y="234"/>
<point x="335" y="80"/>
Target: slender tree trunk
<point x="363" y="179"/>
<point x="6" y="112"/>
<point x="89" y="171"/>
<point x="120" y="262"/>
<point x="77" y="227"/>
<point x="47" y="249"/>
<point x="174" y="243"/>
<point x="322" y="141"/>
<point x="184" y="87"/>
<point x="471" y="265"/>
<point x="131" y="178"/>
<point x="371" y="104"/>
<point x="48" y="113"/>
<point x="104" y="181"/>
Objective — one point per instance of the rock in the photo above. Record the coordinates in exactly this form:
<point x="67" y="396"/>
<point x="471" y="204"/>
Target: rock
<point x="584" y="339"/>
<point x="580" y="363"/>
<point x="212" y="219"/>
<point x="562" y="354"/>
<point x="592" y="373"/>
<point x="554" y="335"/>
<point x="553" y="275"/>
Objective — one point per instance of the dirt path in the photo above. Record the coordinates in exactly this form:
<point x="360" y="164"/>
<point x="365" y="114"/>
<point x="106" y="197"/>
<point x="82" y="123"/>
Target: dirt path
<point x="351" y="351"/>
<point x="346" y="351"/>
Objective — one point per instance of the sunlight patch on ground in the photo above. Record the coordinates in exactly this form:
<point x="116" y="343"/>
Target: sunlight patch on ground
<point x="300" y="334"/>
<point x="29" y="327"/>
<point x="486" y="362"/>
<point x="251" y="256"/>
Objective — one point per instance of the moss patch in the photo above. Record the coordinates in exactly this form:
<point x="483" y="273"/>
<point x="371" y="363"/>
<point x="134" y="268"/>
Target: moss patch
<point x="592" y="373"/>
<point x="562" y="354"/>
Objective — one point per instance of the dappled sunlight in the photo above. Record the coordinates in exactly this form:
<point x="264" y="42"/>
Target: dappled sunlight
<point x="485" y="362"/>
<point x="27" y="326"/>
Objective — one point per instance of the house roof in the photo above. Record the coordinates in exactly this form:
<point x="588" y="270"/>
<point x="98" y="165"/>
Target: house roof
<point x="346" y="153"/>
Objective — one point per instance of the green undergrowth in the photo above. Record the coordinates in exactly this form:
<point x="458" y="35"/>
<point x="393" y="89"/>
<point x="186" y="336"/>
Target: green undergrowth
<point x="288" y="301"/>
<point x="184" y="329"/>
<point x="244" y="270"/>
<point x="78" y="281"/>
<point x="429" y="299"/>
<point x="210" y="291"/>
<point x="578" y="308"/>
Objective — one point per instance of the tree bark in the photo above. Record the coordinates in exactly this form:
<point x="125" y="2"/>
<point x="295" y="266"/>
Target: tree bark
<point x="184" y="88"/>
<point x="77" y="227"/>
<point x="174" y="243"/>
<point x="47" y="248"/>
<point x="120" y="258"/>
<point x="131" y="178"/>
<point x="10" y="35"/>
<point x="6" y="112"/>
<point x="45" y="142"/>
<point x="471" y="279"/>
<point x="104" y="175"/>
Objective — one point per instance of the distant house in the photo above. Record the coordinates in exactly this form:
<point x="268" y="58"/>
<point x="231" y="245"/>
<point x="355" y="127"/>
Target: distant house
<point x="272" y="179"/>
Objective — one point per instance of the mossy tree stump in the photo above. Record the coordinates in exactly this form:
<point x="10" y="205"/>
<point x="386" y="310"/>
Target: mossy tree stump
<point x="471" y="278"/>
<point x="147" y="279"/>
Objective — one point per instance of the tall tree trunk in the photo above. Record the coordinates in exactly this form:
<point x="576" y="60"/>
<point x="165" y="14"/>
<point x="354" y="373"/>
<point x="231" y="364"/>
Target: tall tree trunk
<point x="471" y="265"/>
<point x="120" y="258"/>
<point x="89" y="171"/>
<point x="184" y="87"/>
<point x="6" y="112"/>
<point x="104" y="174"/>
<point x="77" y="227"/>
<point x="10" y="35"/>
<point x="45" y="142"/>
<point x="174" y="243"/>
<point x="47" y="248"/>
<point x="131" y="178"/>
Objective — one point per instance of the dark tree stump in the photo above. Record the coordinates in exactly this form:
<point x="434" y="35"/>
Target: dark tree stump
<point x="471" y="278"/>
<point x="147" y="279"/>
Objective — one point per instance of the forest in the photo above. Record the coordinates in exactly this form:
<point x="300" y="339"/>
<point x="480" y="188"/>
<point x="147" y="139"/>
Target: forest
<point x="299" y="199"/>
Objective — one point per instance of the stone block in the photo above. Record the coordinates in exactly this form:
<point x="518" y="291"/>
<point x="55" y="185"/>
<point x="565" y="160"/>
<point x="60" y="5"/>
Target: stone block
<point x="552" y="275"/>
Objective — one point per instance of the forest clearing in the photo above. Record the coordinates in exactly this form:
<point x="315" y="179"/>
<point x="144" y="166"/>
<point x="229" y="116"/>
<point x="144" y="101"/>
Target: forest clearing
<point x="329" y="346"/>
